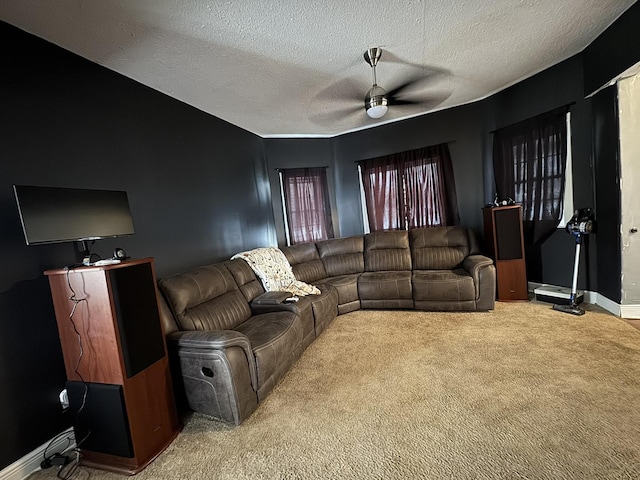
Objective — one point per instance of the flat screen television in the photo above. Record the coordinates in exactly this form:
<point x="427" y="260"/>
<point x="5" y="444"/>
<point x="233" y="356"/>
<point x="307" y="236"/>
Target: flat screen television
<point x="55" y="214"/>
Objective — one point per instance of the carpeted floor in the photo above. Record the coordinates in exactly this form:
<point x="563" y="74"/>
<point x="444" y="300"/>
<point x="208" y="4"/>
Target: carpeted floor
<point x="522" y="392"/>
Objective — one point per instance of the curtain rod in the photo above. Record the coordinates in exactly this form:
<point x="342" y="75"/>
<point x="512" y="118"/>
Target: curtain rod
<point x="299" y="168"/>
<point x="394" y="153"/>
<point x="543" y="113"/>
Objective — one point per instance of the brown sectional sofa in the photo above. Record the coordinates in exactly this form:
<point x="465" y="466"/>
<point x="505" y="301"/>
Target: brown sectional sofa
<point x="233" y="341"/>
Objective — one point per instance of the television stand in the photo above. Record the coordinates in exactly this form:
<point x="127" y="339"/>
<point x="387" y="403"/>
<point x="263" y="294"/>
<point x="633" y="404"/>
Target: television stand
<point x="115" y="357"/>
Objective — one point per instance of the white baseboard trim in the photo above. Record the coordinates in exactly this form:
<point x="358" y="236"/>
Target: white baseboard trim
<point x="22" y="468"/>
<point x="630" y="311"/>
<point x="595" y="298"/>
<point x="609" y="305"/>
<point x="592" y="297"/>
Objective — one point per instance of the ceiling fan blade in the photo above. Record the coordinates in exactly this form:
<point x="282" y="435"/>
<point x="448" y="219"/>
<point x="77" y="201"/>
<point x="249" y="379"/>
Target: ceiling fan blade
<point x="397" y="101"/>
<point x="393" y="58"/>
<point x="336" y="115"/>
<point x="343" y="90"/>
<point x="413" y="81"/>
<point x="428" y="69"/>
<point x="338" y="101"/>
<point x="427" y="102"/>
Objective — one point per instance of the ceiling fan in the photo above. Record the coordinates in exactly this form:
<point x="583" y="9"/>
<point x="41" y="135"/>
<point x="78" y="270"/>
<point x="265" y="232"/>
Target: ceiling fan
<point x="377" y="100"/>
<point x="346" y="95"/>
<point x="341" y="102"/>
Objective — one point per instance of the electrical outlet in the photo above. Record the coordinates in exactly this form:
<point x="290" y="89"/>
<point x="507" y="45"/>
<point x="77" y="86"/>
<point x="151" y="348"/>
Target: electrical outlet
<point x="64" y="399"/>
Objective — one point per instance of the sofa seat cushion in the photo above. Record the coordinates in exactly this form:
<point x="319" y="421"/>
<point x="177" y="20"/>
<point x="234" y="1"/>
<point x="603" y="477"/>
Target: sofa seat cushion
<point x="443" y="285"/>
<point x="275" y="302"/>
<point x="346" y="285"/>
<point x="325" y="306"/>
<point x="277" y="341"/>
<point x="385" y="289"/>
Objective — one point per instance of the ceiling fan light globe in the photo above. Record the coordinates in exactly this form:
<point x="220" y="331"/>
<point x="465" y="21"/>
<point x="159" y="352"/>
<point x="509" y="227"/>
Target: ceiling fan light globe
<point x="377" y="111"/>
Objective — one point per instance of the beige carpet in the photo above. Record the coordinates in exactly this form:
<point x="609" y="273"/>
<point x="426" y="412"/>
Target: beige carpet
<point x="522" y="392"/>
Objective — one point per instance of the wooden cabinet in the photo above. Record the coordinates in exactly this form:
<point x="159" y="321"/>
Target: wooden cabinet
<point x="115" y="356"/>
<point x="504" y="239"/>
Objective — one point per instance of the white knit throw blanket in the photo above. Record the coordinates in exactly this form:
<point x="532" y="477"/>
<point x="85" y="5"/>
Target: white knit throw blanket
<point x="274" y="271"/>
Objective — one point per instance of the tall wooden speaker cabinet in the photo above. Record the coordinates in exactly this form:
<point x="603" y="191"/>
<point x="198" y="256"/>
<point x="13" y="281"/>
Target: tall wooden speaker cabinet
<point x="505" y="241"/>
<point x="115" y="356"/>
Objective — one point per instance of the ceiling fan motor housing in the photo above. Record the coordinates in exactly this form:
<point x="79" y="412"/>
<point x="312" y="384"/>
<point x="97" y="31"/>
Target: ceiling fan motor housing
<point x="375" y="102"/>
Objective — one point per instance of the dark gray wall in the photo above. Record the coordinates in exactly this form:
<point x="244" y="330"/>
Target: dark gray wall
<point x="608" y="202"/>
<point x="197" y="187"/>
<point x="613" y="52"/>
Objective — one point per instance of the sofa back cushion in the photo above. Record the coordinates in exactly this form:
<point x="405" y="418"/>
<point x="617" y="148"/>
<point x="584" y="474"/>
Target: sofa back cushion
<point x="387" y="251"/>
<point x="342" y="256"/>
<point x="246" y="279"/>
<point x="305" y="262"/>
<point x="206" y="298"/>
<point x="441" y="248"/>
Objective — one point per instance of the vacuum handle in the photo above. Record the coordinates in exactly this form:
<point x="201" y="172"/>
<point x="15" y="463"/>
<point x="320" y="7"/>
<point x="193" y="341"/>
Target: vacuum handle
<point x="574" y="284"/>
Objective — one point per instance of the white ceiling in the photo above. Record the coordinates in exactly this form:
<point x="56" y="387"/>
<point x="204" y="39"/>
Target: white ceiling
<point x="281" y="68"/>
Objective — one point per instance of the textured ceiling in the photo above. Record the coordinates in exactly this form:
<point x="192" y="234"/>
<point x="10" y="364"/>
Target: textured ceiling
<point x="295" y="68"/>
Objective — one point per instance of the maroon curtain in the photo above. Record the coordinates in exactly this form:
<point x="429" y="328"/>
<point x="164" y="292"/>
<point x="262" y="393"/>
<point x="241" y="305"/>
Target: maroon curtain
<point x="410" y="189"/>
<point x="430" y="189"/>
<point x="382" y="192"/>
<point x="307" y="206"/>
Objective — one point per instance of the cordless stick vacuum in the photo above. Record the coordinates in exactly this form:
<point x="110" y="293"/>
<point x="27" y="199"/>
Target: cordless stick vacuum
<point x="580" y="224"/>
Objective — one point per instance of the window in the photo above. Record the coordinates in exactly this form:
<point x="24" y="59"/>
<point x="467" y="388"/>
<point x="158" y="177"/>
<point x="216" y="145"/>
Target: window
<point x="531" y="159"/>
<point x="307" y="211"/>
<point x="552" y="180"/>
<point x="409" y="189"/>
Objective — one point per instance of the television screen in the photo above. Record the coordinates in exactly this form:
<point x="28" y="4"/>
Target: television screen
<point x="54" y="214"/>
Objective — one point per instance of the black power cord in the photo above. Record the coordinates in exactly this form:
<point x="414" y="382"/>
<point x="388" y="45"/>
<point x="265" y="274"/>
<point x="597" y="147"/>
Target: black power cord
<point x="56" y="460"/>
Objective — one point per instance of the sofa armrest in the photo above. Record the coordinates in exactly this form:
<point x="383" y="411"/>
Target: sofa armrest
<point x="274" y="302"/>
<point x="271" y="298"/>
<point x="483" y="272"/>
<point x="473" y="263"/>
<point x="216" y="340"/>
